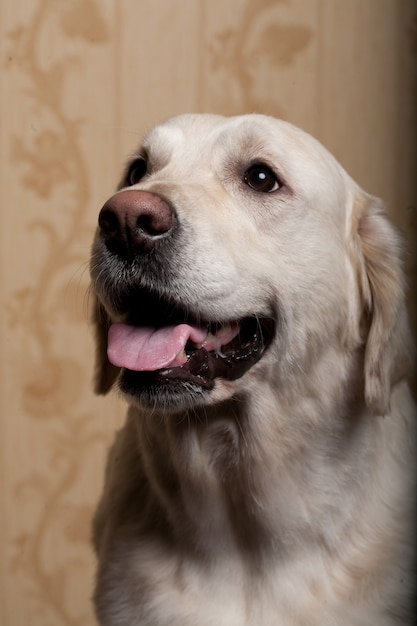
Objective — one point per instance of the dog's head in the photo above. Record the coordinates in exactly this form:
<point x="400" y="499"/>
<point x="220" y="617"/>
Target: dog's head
<point x="237" y="249"/>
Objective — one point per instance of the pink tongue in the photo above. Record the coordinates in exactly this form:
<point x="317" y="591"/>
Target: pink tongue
<point x="149" y="349"/>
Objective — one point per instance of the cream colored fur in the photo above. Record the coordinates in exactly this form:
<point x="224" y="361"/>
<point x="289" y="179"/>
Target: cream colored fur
<point x="286" y="497"/>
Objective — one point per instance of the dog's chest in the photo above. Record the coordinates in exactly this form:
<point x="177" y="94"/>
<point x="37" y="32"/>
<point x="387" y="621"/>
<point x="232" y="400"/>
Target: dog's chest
<point x="155" y="588"/>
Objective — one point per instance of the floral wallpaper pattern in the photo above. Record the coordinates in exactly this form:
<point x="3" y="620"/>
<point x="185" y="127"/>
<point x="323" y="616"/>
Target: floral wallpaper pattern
<point x="271" y="36"/>
<point x="81" y="81"/>
<point x="51" y="164"/>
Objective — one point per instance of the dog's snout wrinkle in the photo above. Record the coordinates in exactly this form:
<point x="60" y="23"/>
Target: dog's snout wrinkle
<point x="132" y="221"/>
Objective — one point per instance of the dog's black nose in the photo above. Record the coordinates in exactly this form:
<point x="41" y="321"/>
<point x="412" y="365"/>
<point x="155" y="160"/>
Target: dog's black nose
<point x="132" y="221"/>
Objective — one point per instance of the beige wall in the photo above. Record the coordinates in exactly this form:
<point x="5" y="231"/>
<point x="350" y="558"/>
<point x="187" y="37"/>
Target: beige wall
<point x="80" y="82"/>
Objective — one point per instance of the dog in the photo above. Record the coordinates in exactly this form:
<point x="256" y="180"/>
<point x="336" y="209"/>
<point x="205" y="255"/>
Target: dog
<point x="249" y="302"/>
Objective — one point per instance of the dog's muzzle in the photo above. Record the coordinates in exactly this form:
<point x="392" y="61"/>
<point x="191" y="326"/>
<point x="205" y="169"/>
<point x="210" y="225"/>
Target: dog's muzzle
<point x="163" y="348"/>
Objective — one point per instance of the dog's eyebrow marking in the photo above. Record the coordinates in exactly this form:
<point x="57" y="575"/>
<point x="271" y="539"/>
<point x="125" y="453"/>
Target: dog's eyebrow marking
<point x="252" y="147"/>
<point x="157" y="155"/>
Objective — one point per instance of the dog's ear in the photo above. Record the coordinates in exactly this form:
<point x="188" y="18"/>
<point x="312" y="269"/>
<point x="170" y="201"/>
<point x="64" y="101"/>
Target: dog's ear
<point x="105" y="372"/>
<point x="388" y="343"/>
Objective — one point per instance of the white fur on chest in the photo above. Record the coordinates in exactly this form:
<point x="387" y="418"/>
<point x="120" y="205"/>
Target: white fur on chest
<point x="149" y="586"/>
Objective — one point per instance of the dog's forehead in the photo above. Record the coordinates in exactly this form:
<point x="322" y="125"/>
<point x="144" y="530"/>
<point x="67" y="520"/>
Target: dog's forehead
<point x="202" y="130"/>
<point x="184" y="136"/>
<point x="202" y="137"/>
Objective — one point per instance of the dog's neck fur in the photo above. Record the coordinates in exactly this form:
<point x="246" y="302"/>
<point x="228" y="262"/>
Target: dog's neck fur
<point x="201" y="473"/>
<point x="212" y="486"/>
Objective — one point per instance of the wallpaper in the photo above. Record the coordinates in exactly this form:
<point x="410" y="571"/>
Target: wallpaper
<point x="81" y="81"/>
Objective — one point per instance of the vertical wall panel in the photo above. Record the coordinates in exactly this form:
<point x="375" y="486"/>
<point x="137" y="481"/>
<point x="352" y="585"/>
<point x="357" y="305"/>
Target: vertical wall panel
<point x="359" y="99"/>
<point x="57" y="116"/>
<point x="160" y="47"/>
<point x="261" y="56"/>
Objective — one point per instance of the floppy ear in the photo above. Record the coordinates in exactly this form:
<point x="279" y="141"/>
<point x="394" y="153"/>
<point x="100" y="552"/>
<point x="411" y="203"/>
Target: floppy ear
<point x="387" y="350"/>
<point x="105" y="372"/>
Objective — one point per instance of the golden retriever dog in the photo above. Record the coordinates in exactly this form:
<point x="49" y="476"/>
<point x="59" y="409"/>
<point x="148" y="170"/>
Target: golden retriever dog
<point x="250" y="305"/>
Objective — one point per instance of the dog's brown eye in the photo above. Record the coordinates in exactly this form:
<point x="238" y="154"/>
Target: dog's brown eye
<point x="261" y="178"/>
<point x="136" y="171"/>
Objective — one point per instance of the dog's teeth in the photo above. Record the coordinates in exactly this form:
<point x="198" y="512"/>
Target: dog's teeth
<point x="219" y="352"/>
<point x="209" y="341"/>
<point x="180" y="359"/>
<point x="223" y="331"/>
<point x="223" y="336"/>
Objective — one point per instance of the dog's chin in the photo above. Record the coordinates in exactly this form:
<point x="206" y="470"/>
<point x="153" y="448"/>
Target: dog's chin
<point x="150" y="390"/>
<point x="206" y="376"/>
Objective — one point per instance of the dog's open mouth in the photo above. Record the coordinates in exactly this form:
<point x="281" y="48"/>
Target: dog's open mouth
<point x="185" y="350"/>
